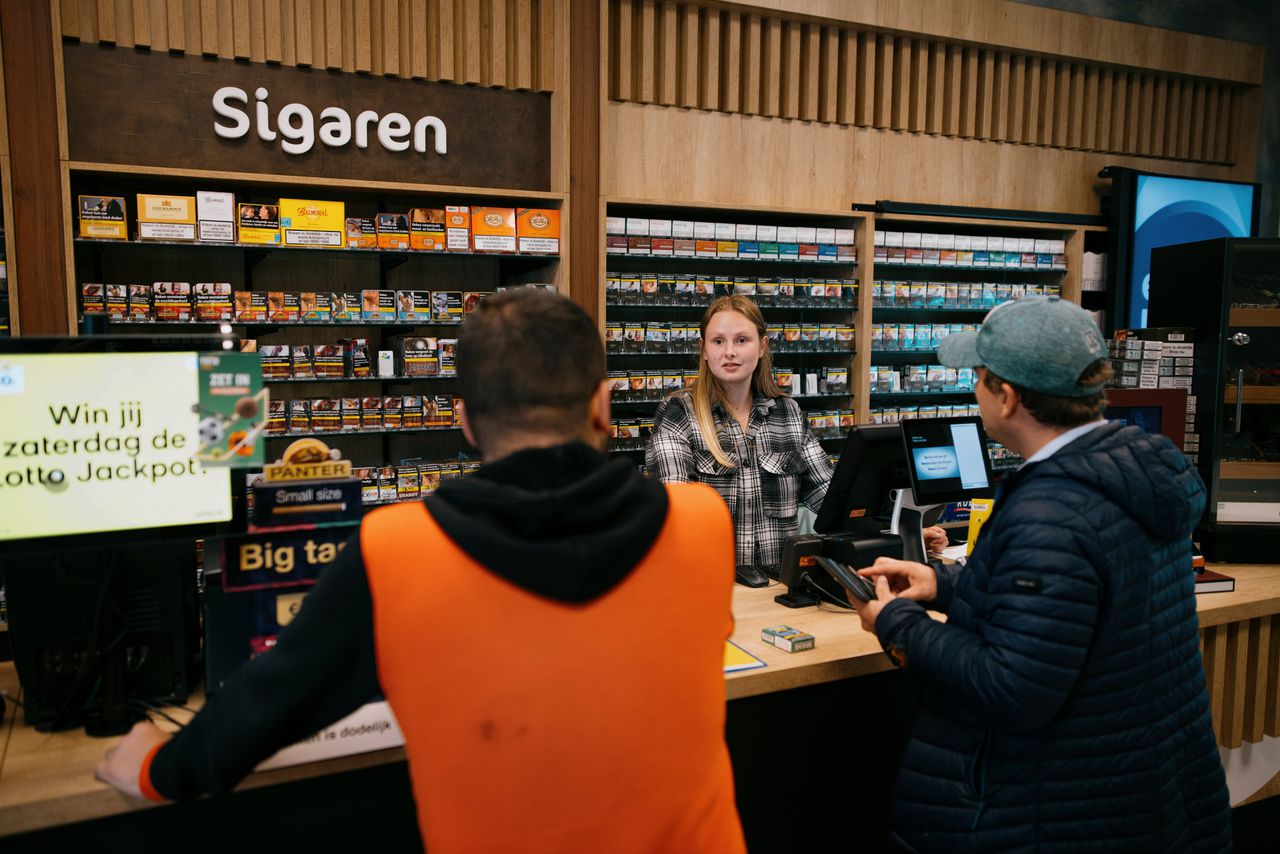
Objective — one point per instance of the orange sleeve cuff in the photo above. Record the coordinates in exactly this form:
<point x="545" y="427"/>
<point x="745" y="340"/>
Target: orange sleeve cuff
<point x="144" y="776"/>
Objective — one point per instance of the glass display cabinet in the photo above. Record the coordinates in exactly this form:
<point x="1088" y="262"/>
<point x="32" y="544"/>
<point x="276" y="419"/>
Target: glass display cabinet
<point x="1228" y="291"/>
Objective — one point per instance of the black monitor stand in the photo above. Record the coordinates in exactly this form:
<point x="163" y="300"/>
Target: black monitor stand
<point x="909" y="521"/>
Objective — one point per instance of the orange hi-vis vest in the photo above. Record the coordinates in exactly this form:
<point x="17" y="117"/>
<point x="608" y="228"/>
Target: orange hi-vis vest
<point x="533" y="725"/>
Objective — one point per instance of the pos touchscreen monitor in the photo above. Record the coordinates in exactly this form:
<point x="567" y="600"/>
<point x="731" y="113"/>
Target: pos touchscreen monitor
<point x="947" y="459"/>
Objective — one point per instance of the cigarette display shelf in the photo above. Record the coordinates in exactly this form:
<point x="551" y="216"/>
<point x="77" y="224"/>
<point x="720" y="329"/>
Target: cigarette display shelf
<point x="878" y="353"/>
<point x="651" y="404"/>
<point x="1001" y="268"/>
<point x="389" y="431"/>
<point x="263" y="327"/>
<point x="777" y="354"/>
<point x="313" y="380"/>
<point x="839" y="308"/>
<point x="928" y="310"/>
<point x="673" y="263"/>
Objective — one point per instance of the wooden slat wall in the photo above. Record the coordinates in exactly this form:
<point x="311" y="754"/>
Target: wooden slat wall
<point x="499" y="43"/>
<point x="1242" y="667"/>
<point x="772" y="65"/>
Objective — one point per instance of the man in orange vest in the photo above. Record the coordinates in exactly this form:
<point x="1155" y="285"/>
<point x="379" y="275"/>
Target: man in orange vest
<point x="548" y="631"/>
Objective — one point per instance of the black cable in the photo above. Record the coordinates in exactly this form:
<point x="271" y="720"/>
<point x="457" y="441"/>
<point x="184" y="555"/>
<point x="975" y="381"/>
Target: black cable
<point x="823" y="593"/>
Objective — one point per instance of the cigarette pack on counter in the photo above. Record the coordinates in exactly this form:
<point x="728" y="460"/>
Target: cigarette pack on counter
<point x="362" y="232"/>
<point x="314" y="306"/>
<point x="538" y="231"/>
<point x="378" y="305"/>
<point x="283" y="306"/>
<point x="103" y="217"/>
<point x="213" y="301"/>
<point x="166" y="217"/>
<point x="493" y="229"/>
<point x="457" y="228"/>
<point x="258" y="224"/>
<point x="393" y="230"/>
<point x="139" y="302"/>
<point x="427" y="229"/>
<point x="215" y="216"/>
<point x="171" y="300"/>
<point x="311" y="222"/>
<point x="251" y="306"/>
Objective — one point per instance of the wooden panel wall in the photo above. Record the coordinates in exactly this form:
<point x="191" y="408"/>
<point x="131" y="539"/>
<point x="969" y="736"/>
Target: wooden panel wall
<point x="710" y="57"/>
<point x="501" y="43"/>
<point x="1242" y="666"/>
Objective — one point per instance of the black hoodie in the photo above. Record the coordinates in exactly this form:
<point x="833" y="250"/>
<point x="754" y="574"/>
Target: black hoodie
<point x="563" y="522"/>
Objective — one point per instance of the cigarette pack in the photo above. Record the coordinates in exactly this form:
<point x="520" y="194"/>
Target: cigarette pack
<point x="350" y="413"/>
<point x="93" y="298"/>
<point x="166" y="217"/>
<point x="117" y="301"/>
<point x="356" y="353"/>
<point x="171" y="300"/>
<point x="326" y="415"/>
<point x="538" y="231"/>
<point x="215" y="216"/>
<point x="493" y="229"/>
<point x="446" y="306"/>
<point x="258" y="224"/>
<point x="457" y="224"/>
<point x="276" y="361"/>
<point x="427" y="229"/>
<point x="419" y="357"/>
<point x="213" y="301"/>
<point x="407" y="483"/>
<point x="411" y="412"/>
<point x="140" y="302"/>
<point x="327" y="361"/>
<point x="299" y="416"/>
<point x="371" y="413"/>
<point x="391" y="412"/>
<point x="251" y="306"/>
<point x="277" y="422"/>
<point x="308" y="222"/>
<point x="300" y="356"/>
<point x="314" y="306"/>
<point x="448" y="357"/>
<point x="378" y="305"/>
<point x="103" y="217"/>
<point x="282" y="306"/>
<point x="471" y="300"/>
<point x="393" y="230"/>
<point x="362" y="232"/>
<point x="344" y="306"/>
<point x="387" y="483"/>
<point x="413" y="305"/>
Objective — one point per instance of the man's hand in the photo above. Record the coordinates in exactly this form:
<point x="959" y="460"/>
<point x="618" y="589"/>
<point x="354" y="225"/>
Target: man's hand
<point x="935" y="540"/>
<point x="123" y="763"/>
<point x="868" y="611"/>
<point x="905" y="578"/>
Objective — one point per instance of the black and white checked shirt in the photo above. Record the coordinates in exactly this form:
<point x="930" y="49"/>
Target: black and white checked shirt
<point x="780" y="463"/>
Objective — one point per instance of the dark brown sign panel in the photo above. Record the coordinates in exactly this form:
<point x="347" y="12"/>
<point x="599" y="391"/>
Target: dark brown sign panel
<point x="141" y="108"/>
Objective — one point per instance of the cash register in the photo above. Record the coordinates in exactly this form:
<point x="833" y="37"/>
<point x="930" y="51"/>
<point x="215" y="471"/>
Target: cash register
<point x="892" y="482"/>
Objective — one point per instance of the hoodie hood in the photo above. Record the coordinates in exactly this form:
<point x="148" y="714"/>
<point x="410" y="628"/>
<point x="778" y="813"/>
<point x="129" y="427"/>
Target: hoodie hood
<point x="1141" y="472"/>
<point x="564" y="522"/>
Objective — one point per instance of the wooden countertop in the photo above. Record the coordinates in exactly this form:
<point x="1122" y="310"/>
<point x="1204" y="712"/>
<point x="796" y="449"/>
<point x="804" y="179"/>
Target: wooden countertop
<point x="46" y="779"/>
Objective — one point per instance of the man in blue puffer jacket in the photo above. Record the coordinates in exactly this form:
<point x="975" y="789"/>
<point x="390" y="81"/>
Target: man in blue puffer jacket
<point x="1064" y="704"/>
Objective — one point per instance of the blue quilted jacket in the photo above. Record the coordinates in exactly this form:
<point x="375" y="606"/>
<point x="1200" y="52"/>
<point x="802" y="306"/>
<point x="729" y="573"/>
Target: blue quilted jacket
<point x="1064" y="704"/>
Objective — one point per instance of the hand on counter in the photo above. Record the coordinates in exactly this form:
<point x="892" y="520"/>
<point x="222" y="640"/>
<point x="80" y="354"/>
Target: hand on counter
<point x="122" y="765"/>
<point x="935" y="540"/>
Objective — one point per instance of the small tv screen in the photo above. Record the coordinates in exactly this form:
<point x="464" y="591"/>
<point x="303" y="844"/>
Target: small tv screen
<point x="1168" y="211"/>
<point x="98" y="442"/>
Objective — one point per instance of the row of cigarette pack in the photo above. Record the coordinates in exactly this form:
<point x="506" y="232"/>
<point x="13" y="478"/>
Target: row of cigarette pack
<point x="654" y="385"/>
<point x="356" y="414"/>
<point x="350" y="358"/>
<point x="639" y="336"/>
<point x="695" y="289"/>
<point x="889" y="294"/>
<point x="914" y="336"/>
<point x="886" y="380"/>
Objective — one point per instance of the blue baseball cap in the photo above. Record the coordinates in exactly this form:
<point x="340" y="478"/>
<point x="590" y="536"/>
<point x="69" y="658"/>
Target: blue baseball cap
<point x="1039" y="343"/>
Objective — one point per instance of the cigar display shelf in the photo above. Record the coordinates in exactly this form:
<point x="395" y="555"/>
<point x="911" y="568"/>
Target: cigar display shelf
<point x="308" y="250"/>
<point x="386" y="431"/>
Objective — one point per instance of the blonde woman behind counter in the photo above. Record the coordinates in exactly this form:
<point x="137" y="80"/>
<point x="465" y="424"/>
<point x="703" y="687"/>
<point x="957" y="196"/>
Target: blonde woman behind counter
<point x="734" y="429"/>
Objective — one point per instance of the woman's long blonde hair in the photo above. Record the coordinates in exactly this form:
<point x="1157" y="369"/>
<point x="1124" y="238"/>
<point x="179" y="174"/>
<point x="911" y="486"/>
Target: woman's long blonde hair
<point x="708" y="390"/>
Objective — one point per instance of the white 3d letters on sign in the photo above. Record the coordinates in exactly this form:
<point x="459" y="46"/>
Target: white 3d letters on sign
<point x="295" y="125"/>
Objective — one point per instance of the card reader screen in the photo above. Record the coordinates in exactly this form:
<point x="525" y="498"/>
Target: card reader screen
<point x="948" y="459"/>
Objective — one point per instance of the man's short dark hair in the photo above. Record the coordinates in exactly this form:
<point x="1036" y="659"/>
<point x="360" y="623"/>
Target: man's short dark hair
<point x="1054" y="411"/>
<point x="528" y="362"/>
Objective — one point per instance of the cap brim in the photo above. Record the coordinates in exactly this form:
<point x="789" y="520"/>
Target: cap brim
<point x="959" y="350"/>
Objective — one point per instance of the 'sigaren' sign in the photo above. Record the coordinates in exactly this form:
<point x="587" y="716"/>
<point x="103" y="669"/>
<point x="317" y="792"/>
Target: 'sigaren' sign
<point x="297" y="125"/>
<point x="249" y="117"/>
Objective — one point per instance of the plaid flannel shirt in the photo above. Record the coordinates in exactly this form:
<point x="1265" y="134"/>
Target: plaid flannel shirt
<point x="779" y="464"/>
